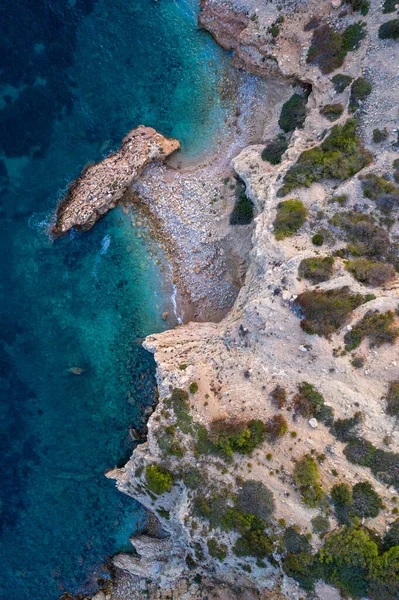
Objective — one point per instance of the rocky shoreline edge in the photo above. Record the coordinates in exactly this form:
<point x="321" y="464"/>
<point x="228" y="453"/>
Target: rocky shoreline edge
<point x="219" y="372"/>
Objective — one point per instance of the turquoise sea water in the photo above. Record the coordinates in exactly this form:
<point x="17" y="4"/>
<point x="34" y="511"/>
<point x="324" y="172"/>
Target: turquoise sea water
<point x="77" y="75"/>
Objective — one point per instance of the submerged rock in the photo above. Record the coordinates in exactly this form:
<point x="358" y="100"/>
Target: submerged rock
<point x="100" y="187"/>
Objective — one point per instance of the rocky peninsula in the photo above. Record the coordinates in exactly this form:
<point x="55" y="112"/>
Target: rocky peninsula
<point x="100" y="187"/>
<point x="271" y="466"/>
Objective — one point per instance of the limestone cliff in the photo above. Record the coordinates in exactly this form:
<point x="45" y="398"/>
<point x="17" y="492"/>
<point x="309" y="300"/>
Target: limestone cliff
<point x="100" y="187"/>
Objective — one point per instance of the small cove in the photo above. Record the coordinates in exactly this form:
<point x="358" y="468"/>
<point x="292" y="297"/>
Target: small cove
<point x="77" y="77"/>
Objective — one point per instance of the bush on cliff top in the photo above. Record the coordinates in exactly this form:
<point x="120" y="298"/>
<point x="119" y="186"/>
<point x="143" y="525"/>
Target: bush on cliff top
<point x="274" y="150"/>
<point x="307" y="478"/>
<point x="392" y="399"/>
<point x="316" y="269"/>
<point x="341" y="82"/>
<point x="377" y="327"/>
<point x="370" y="272"/>
<point x="291" y="215"/>
<point x="236" y="436"/>
<point x="360" y="89"/>
<point x="389" y="30"/>
<point x="340" y="156"/>
<point x="254" y="497"/>
<point x="332" y="112"/>
<point x="159" y="480"/>
<point x="329" y="47"/>
<point x="326" y="311"/>
<point x="293" y="113"/>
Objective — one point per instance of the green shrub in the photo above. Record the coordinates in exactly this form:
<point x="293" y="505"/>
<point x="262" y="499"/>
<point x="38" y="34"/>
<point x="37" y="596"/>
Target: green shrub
<point x="374" y="186"/>
<point x="367" y="238"/>
<point x="303" y="568"/>
<point x="255" y="498"/>
<point x="275" y="150"/>
<point x="243" y="212"/>
<point x="326" y="311"/>
<point x="361" y="6"/>
<point x="279" y="396"/>
<point x="159" y="480"/>
<point x="377" y="327"/>
<point x="326" y="50"/>
<point x="389" y="6"/>
<point x="307" y="478"/>
<point x="392" y="405"/>
<point x="320" y="524"/>
<point x="341" y="82"/>
<point x="216" y="550"/>
<point x="353" y="35"/>
<point x="308" y="401"/>
<point x="295" y="542"/>
<point x="293" y="113"/>
<point x="389" y="30"/>
<point x="380" y="135"/>
<point x="316" y="269"/>
<point x="384" y="579"/>
<point x="253" y="543"/>
<point x="370" y="272"/>
<point x="340" y="156"/>
<point x="291" y="215"/>
<point x="347" y="557"/>
<point x="360" y="89"/>
<point x="332" y="112"/>
<point x="181" y="408"/>
<point x="193" y="387"/>
<point x="233" y="436"/>
<point x="391" y="537"/>
<point x="366" y="501"/>
<point x="346" y="429"/>
<point x="318" y="239"/>
<point x="360" y="452"/>
<point x="341" y="495"/>
<point x="168" y="441"/>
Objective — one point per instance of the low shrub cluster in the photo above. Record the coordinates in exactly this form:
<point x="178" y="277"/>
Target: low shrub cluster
<point x="375" y="186"/>
<point x="276" y="427"/>
<point x="360" y="89"/>
<point x="254" y="497"/>
<point x="274" y="150"/>
<point x="168" y="441"/>
<point x="370" y="272"/>
<point x="362" y="501"/>
<point x="293" y="113"/>
<point x="332" y="112"/>
<point x="291" y="215"/>
<point x="365" y="237"/>
<point x="318" y="239"/>
<point x="320" y="524"/>
<point x="324" y="312"/>
<point x="279" y="396"/>
<point x="329" y="47"/>
<point x="243" y="212"/>
<point x="389" y="6"/>
<point x="159" y="480"/>
<point x="347" y="429"/>
<point x="316" y="269"/>
<point x="216" y="550"/>
<point x="295" y="542"/>
<point x="236" y="436"/>
<point x="392" y="399"/>
<point x="309" y="402"/>
<point x="341" y="82"/>
<point x="380" y="135"/>
<point x="179" y="402"/>
<point x="377" y="327"/>
<point x="307" y="478"/>
<point x="340" y="156"/>
<point x="389" y="30"/>
<point x="383" y="464"/>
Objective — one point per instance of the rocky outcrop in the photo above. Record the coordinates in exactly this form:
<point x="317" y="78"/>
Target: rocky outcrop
<point x="100" y="187"/>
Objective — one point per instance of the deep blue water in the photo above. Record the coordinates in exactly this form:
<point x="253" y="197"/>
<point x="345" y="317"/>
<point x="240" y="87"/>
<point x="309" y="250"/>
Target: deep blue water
<point x="77" y="75"/>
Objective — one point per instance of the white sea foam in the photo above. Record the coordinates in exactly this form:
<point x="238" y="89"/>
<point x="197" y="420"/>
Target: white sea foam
<point x="174" y="304"/>
<point x="105" y="242"/>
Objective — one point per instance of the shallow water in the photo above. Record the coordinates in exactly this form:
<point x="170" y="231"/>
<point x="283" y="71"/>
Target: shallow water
<point x="76" y="76"/>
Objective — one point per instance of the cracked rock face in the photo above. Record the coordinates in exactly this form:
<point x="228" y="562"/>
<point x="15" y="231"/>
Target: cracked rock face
<point x="100" y="187"/>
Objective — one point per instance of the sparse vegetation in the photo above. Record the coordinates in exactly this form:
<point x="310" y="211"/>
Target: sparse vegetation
<point x="307" y="478"/>
<point x="216" y="550"/>
<point x="360" y="89"/>
<point x="236" y="436"/>
<point x="326" y="311"/>
<point x="346" y="429"/>
<point x="318" y="239"/>
<point x="193" y="387"/>
<point x="380" y="135"/>
<point x="361" y="6"/>
<point x="320" y="524"/>
<point x="309" y="402"/>
<point x="377" y="327"/>
<point x="316" y="269"/>
<point x="340" y="156"/>
<point x="389" y="6"/>
<point x="274" y="150"/>
<point x="159" y="480"/>
<point x="370" y="272"/>
<point x="332" y="112"/>
<point x="279" y="396"/>
<point x="295" y="542"/>
<point x="291" y="215"/>
<point x="367" y="238"/>
<point x="293" y="113"/>
<point x="341" y="82"/>
<point x="353" y="35"/>
<point x="366" y="501"/>
<point x="254" y="497"/>
<point x="276" y="427"/>
<point x="375" y="186"/>
<point x="243" y="212"/>
<point x="329" y="47"/>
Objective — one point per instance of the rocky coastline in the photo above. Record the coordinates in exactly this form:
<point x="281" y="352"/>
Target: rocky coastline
<point x="255" y="339"/>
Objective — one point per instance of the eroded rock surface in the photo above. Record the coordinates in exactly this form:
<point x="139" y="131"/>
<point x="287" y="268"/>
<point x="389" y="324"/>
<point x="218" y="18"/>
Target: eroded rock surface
<point x="100" y="187"/>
